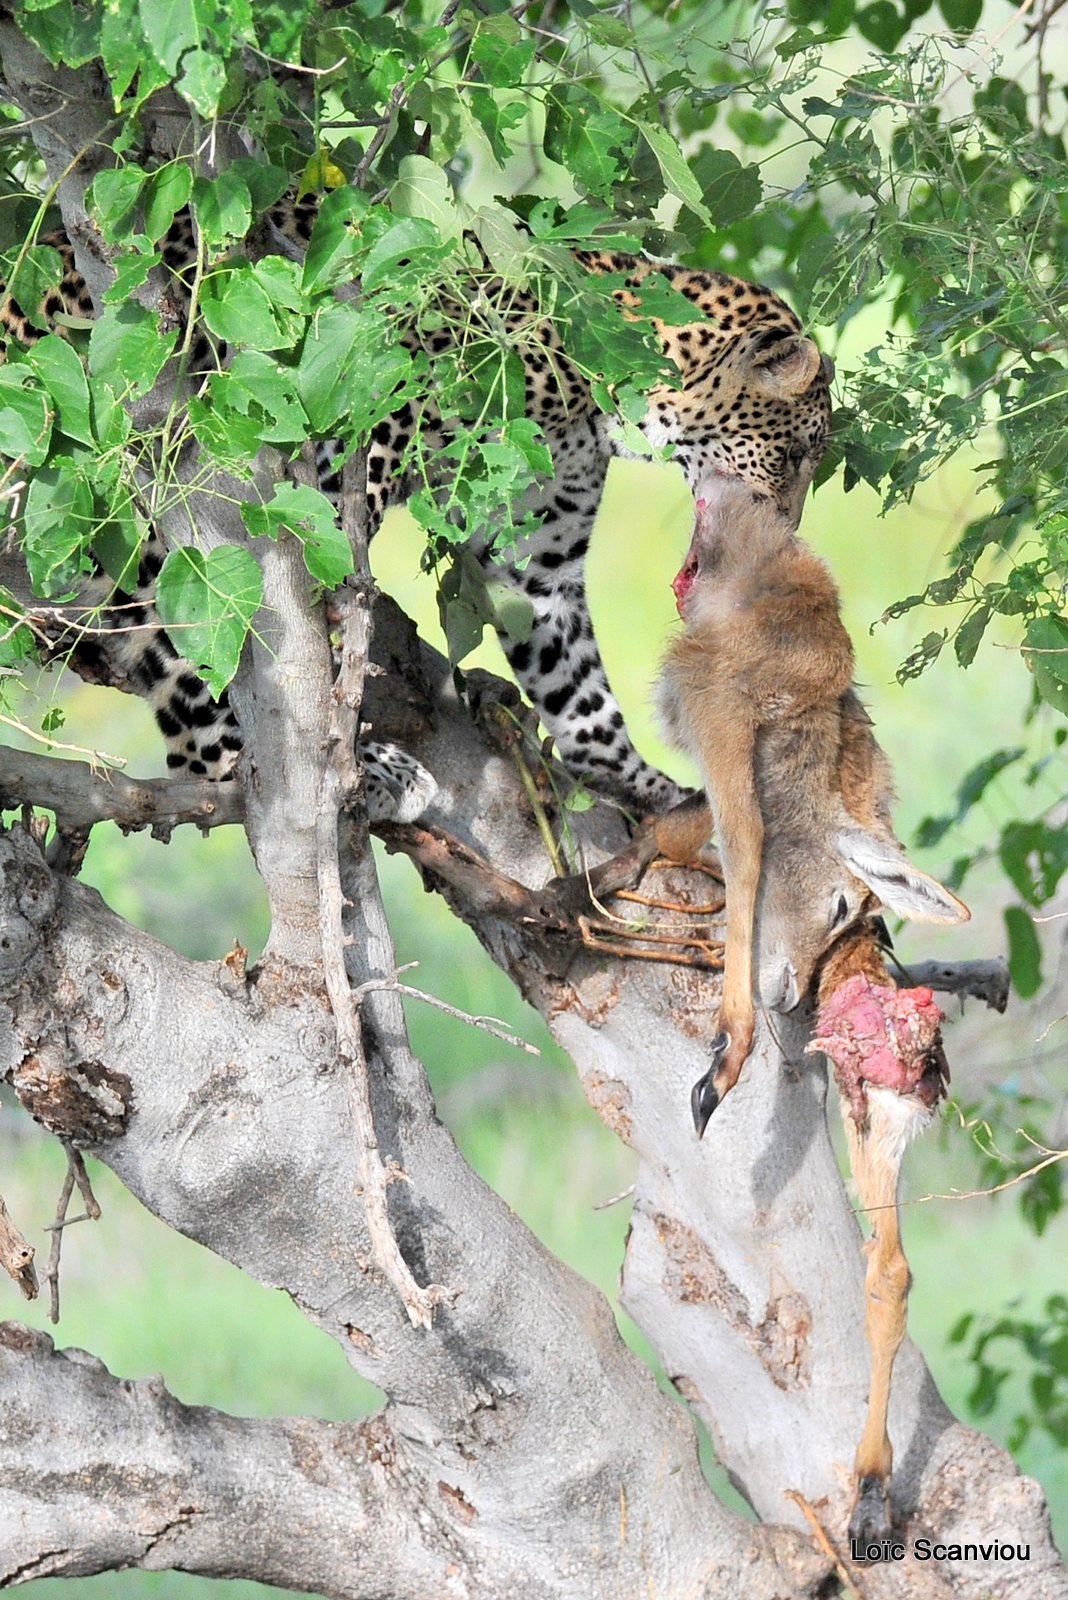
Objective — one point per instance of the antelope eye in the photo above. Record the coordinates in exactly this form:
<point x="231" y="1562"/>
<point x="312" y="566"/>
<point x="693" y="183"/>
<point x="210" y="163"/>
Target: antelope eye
<point x="839" y="912"/>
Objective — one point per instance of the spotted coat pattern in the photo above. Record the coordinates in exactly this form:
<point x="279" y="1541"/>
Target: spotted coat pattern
<point x="752" y="397"/>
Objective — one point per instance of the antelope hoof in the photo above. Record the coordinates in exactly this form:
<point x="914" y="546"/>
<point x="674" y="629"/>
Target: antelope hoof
<point x="871" y="1521"/>
<point x="705" y="1097"/>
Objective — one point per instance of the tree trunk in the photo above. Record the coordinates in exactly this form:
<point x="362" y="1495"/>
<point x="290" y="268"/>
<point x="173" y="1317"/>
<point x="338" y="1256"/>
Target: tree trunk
<point x="523" y="1449"/>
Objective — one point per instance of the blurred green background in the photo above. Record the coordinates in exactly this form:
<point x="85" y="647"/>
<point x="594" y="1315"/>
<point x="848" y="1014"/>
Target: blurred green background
<point x="147" y="1301"/>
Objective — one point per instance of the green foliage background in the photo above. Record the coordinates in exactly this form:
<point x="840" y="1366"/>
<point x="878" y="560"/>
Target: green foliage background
<point x="904" y="183"/>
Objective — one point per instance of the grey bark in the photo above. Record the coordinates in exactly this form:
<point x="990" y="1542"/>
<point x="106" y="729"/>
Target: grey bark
<point x="520" y="1427"/>
<point x="523" y="1450"/>
<point x="743" y="1265"/>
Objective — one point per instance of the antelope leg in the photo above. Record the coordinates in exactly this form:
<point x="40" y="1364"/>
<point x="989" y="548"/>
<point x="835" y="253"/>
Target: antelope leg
<point x="876" y="1158"/>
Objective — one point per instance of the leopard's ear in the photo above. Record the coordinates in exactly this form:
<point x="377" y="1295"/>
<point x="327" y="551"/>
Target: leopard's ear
<point x="783" y="365"/>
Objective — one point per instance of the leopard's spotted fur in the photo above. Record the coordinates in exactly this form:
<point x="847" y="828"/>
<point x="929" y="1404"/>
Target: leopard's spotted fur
<point x="752" y="398"/>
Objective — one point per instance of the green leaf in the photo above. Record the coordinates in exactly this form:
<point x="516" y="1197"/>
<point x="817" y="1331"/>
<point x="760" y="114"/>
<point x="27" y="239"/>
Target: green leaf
<point x="513" y="611"/>
<point x="678" y="178"/>
<point x="202" y="81"/>
<point x="62" y="374"/>
<point x="207" y="603"/>
<point x="58" y="522"/>
<point x="271" y="390"/>
<point x="280" y="281"/>
<point x="816" y="254"/>
<point x="1034" y="857"/>
<point x="816" y="11"/>
<point x="254" y="402"/>
<point x="657" y="299"/>
<point x="1025" y="952"/>
<point x="265" y="183"/>
<point x="127" y="349"/>
<point x="353" y="372"/>
<point x="118" y="538"/>
<point x="126" y="56"/>
<point x="464" y="626"/>
<point x="67" y="34"/>
<point x="579" y="799"/>
<point x="970" y="791"/>
<point x="730" y="190"/>
<point x="600" y="150"/>
<point x="309" y="517"/>
<point x="594" y="144"/>
<point x="111" y="420"/>
<point x="497" y="119"/>
<point x="171" y="27"/>
<point x="405" y="239"/>
<point x="967" y="637"/>
<point x="17" y="647"/>
<point x="25" y="423"/>
<point x="223" y="207"/>
<point x="131" y="270"/>
<point x="501" y="50"/>
<point x="37" y="271"/>
<point x="463" y="604"/>
<point x="1046" y="653"/>
<point x="114" y="195"/>
<point x="1002" y="104"/>
<point x="165" y="193"/>
<point x="334" y="247"/>
<point x="423" y="190"/>
<point x="237" y="309"/>
<point x="961" y="15"/>
<point x="280" y="25"/>
<point x="882" y="24"/>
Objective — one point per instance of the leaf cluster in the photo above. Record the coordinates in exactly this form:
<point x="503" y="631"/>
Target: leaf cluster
<point x="1000" y="1347"/>
<point x="389" y="113"/>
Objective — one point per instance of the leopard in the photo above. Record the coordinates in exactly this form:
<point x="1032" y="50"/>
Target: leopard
<point x="752" y="397"/>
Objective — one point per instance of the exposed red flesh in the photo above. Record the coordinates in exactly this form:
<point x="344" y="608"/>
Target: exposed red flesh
<point x="877" y="1034"/>
<point x="684" y="580"/>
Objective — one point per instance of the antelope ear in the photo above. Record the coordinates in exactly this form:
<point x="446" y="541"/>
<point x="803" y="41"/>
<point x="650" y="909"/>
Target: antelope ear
<point x="901" y="887"/>
<point x="783" y="364"/>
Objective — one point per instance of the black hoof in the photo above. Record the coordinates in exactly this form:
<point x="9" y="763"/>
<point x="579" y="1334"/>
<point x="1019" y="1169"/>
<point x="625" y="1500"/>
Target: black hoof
<point x="871" y="1521"/>
<point x="704" y="1098"/>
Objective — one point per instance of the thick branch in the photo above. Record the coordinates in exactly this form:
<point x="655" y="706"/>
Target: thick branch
<point x="987" y="981"/>
<point x="81" y="796"/>
<point x="285" y="721"/>
<point x="219" y="1103"/>
<point x="124" y="1475"/>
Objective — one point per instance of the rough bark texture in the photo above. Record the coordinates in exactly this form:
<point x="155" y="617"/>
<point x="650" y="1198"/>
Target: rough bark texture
<point x="519" y="1428"/>
<point x="219" y="1102"/>
<point x="523" y="1449"/>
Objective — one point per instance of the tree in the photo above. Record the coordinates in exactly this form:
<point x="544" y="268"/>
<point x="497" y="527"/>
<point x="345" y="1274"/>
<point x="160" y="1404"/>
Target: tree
<point x="521" y="1448"/>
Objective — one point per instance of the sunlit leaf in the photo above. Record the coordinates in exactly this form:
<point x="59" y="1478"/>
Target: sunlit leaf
<point x="58" y="521"/>
<point x="63" y="376"/>
<point x="308" y="516"/>
<point x="25" y="422"/>
<point x="238" y="309"/>
<point x="678" y="179"/>
<point x="127" y="349"/>
<point x="207" y="603"/>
